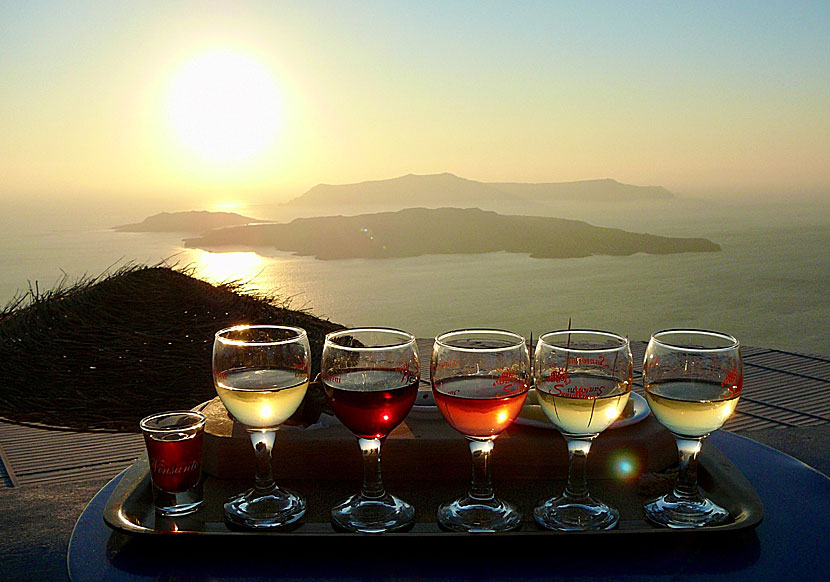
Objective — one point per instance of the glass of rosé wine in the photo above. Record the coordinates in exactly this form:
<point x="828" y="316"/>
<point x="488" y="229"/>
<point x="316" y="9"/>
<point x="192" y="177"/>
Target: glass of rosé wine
<point x="583" y="381"/>
<point x="693" y="380"/>
<point x="371" y="376"/>
<point x="261" y="374"/>
<point x="480" y="379"/>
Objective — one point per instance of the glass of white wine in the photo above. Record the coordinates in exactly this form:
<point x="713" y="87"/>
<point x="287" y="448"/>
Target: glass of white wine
<point x="692" y="380"/>
<point x="583" y="380"/>
<point x="261" y="374"/>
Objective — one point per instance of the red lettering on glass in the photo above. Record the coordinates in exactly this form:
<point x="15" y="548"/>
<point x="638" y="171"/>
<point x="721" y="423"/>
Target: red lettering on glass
<point x="583" y="392"/>
<point x="454" y="363"/>
<point x="511" y="382"/>
<point x="299" y="368"/>
<point x="581" y="361"/>
<point x="505" y="378"/>
<point x="559" y="378"/>
<point x="733" y="382"/>
<point x="559" y="375"/>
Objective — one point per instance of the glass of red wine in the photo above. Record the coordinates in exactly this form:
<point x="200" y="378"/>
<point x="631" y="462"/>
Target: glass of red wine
<point x="371" y="377"/>
<point x="480" y="380"/>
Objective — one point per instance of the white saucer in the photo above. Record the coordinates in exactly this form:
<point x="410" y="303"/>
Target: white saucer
<point x="532" y="415"/>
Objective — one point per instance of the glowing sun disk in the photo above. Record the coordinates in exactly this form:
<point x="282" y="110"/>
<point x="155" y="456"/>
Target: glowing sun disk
<point x="224" y="106"/>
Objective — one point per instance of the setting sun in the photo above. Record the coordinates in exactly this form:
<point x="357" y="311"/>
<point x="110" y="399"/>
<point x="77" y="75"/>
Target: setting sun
<point x="224" y="106"/>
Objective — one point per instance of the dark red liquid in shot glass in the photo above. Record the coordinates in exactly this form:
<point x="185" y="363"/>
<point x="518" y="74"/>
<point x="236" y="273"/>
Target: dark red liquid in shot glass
<point x="175" y="461"/>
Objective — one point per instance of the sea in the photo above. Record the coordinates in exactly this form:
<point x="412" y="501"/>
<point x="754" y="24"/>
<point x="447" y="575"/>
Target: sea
<point x="768" y="286"/>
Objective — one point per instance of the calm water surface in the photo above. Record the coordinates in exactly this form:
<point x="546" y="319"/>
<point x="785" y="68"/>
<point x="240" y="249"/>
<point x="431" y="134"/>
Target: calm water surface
<point x="768" y="286"/>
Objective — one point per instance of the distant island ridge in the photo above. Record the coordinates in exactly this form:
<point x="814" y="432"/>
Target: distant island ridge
<point x="193" y="221"/>
<point x="423" y="191"/>
<point x="449" y="190"/>
<point x="422" y="231"/>
<point x="432" y="214"/>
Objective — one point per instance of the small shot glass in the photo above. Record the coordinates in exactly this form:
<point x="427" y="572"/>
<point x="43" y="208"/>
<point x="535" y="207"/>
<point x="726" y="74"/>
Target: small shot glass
<point x="174" y="448"/>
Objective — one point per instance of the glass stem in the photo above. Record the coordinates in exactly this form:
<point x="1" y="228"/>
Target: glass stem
<point x="263" y="441"/>
<point x="372" y="482"/>
<point x="578" y="449"/>
<point x="481" y="487"/>
<point x="688" y="450"/>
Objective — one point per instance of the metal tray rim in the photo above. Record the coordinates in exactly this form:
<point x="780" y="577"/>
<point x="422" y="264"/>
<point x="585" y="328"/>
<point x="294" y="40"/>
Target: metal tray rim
<point x="716" y="464"/>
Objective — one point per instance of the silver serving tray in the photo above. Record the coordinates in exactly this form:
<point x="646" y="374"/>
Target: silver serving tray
<point x="130" y="508"/>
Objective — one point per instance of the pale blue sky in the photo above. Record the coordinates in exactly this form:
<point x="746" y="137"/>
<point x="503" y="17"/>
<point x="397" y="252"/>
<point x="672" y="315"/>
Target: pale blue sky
<point x="700" y="97"/>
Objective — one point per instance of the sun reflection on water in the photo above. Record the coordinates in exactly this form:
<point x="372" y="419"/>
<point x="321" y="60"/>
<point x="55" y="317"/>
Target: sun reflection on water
<point x="242" y="266"/>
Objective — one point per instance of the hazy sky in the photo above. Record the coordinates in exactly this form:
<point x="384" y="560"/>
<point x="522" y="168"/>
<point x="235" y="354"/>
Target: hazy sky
<point x="253" y="98"/>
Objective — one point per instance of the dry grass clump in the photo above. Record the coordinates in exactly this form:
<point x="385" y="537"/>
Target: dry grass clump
<point x="104" y="352"/>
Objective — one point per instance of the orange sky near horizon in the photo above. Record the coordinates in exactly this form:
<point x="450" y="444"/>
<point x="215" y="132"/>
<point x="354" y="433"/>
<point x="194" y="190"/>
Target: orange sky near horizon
<point x="261" y="101"/>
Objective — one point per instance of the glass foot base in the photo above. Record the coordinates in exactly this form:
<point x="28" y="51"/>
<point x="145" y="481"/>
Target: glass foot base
<point x="672" y="511"/>
<point x="278" y="508"/>
<point x="178" y="504"/>
<point x="360" y="514"/>
<point x="479" y="515"/>
<point x="565" y="514"/>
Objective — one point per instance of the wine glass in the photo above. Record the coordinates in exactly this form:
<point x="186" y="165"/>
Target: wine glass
<point x="261" y="374"/>
<point x="371" y="377"/>
<point x="692" y="380"/>
<point x="480" y="380"/>
<point x="583" y="380"/>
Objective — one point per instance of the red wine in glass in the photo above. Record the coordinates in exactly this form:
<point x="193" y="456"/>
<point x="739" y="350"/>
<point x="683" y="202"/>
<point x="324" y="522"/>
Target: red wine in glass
<point x="175" y="460"/>
<point x="174" y="452"/>
<point x="371" y="379"/>
<point x="371" y="403"/>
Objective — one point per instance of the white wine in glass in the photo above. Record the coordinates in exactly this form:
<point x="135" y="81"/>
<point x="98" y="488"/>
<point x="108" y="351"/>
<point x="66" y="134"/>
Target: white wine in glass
<point x="261" y="398"/>
<point x="583" y="379"/>
<point x="692" y="380"/>
<point x="261" y="374"/>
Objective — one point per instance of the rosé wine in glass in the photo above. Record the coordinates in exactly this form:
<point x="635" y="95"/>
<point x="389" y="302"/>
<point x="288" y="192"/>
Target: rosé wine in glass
<point x="480" y="380"/>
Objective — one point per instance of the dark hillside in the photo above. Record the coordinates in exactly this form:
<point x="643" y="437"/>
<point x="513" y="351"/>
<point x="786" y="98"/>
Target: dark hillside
<point x="106" y="352"/>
